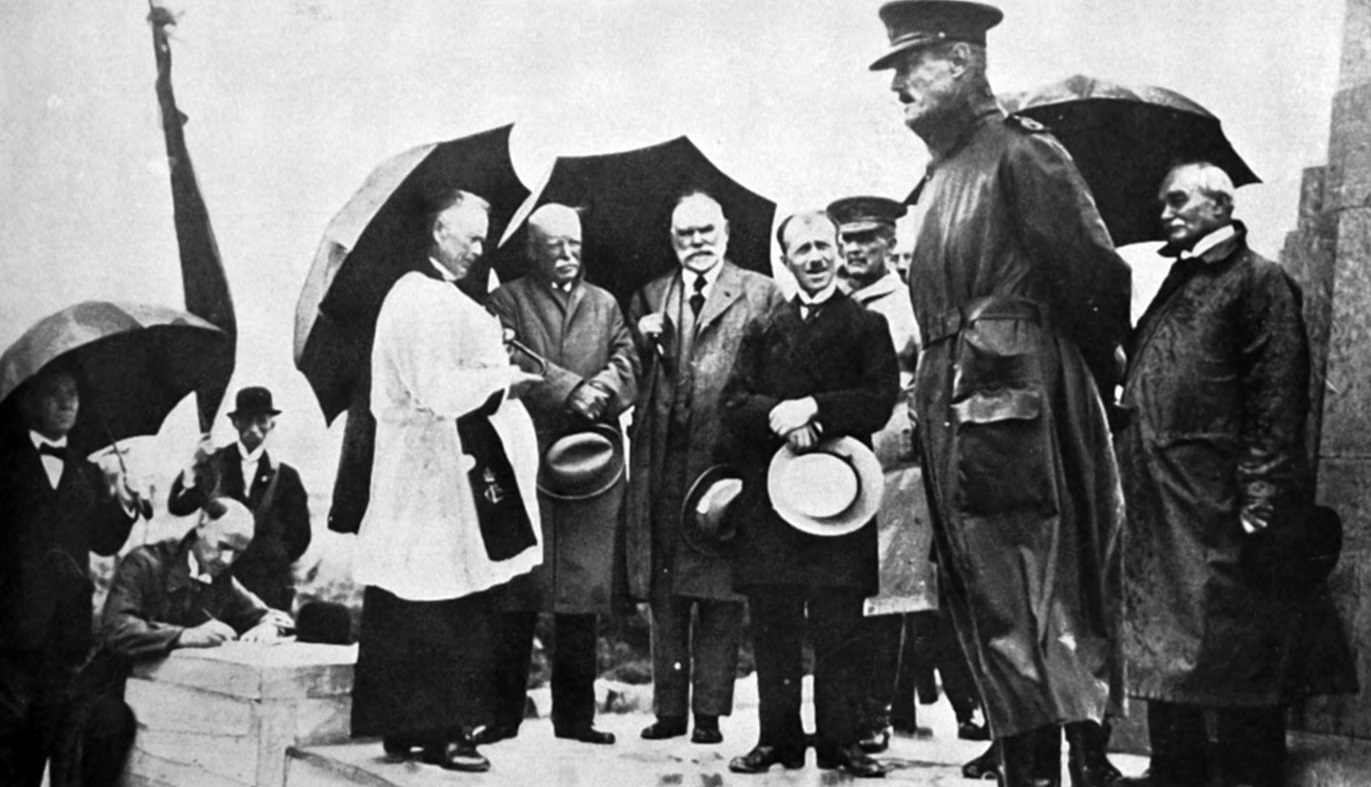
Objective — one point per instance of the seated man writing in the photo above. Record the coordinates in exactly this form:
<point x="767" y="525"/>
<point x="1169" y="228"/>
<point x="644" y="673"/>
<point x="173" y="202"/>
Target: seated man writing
<point x="174" y="594"/>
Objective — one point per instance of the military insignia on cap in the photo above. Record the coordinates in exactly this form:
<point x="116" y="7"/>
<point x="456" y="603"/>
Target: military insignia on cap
<point x="913" y="24"/>
<point x="1027" y="124"/>
<point x="858" y="214"/>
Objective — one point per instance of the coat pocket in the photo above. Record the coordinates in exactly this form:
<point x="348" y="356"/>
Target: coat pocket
<point x="1003" y="459"/>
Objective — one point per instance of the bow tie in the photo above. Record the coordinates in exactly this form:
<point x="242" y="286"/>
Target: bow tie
<point x="58" y="451"/>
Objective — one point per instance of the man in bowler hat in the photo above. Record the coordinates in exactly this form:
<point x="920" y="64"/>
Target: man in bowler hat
<point x="272" y="490"/>
<point x="1023" y="304"/>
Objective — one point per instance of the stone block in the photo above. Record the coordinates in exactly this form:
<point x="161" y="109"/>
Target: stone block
<point x="1349" y="149"/>
<point x="149" y="770"/>
<point x="1356" y="45"/>
<point x="1347" y="400"/>
<point x="167" y="706"/>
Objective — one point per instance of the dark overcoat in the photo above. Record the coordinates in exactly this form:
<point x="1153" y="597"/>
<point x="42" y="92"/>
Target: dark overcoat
<point x="842" y="356"/>
<point x="1020" y="297"/>
<point x="46" y="537"/>
<point x="1218" y="388"/>
<point x="656" y="554"/>
<point x="280" y="509"/>
<point x="582" y="337"/>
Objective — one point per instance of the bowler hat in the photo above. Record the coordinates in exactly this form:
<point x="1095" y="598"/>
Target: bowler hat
<point x="912" y="24"/>
<point x="582" y="464"/>
<point x="861" y="214"/>
<point x="705" y="524"/>
<point x="253" y="400"/>
<point x="831" y="490"/>
<point x="326" y="622"/>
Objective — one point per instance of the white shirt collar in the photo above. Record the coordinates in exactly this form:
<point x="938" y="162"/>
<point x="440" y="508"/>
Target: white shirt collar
<point x="711" y="276"/>
<point x="447" y="274"/>
<point x="40" y="440"/>
<point x="1211" y="240"/>
<point x="819" y="298"/>
<point x="251" y="457"/>
<point x="196" y="573"/>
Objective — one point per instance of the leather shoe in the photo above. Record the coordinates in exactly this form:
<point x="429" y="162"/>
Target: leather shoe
<point x="664" y="727"/>
<point x="397" y="746"/>
<point x="986" y="766"/>
<point x="971" y="731"/>
<point x="875" y="742"/>
<point x="706" y="735"/>
<point x="494" y="733"/>
<point x="585" y="733"/>
<point x="851" y="759"/>
<point x="761" y="758"/>
<point x="457" y="756"/>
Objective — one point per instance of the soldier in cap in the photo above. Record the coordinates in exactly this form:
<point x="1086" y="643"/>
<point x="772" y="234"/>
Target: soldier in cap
<point x="866" y="233"/>
<point x="1023" y="303"/>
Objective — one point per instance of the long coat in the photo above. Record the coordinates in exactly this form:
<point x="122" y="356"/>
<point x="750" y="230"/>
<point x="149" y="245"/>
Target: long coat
<point x="582" y="337"/>
<point x="280" y="510"/>
<point x="1218" y="388"/>
<point x="656" y="554"/>
<point x="904" y="529"/>
<point x="842" y="357"/>
<point x="1020" y="296"/>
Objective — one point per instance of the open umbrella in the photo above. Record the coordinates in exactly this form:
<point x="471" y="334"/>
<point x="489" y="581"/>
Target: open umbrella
<point x="377" y="237"/>
<point x="626" y="201"/>
<point x="136" y="362"/>
<point x="1124" y="140"/>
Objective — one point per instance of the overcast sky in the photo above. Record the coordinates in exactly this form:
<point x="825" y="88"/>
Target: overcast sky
<point x="292" y="102"/>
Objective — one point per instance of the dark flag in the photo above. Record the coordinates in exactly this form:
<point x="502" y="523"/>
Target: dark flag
<point x="202" y="270"/>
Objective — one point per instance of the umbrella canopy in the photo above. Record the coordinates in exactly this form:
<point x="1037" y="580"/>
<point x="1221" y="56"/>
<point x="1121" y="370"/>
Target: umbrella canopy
<point x="378" y="236"/>
<point x="135" y="361"/>
<point x="1124" y="140"/>
<point x="626" y="199"/>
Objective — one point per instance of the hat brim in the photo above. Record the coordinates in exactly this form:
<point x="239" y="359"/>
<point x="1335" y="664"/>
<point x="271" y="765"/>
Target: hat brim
<point x="870" y="488"/>
<point x="548" y="486"/>
<point x="894" y="53"/>
<point x="264" y="411"/>
<point x="690" y="531"/>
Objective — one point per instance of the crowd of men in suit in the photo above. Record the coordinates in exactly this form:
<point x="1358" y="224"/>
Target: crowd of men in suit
<point x="783" y="452"/>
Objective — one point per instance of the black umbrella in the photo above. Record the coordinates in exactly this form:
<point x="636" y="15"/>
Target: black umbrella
<point x="626" y="201"/>
<point x="377" y="237"/>
<point x="136" y="362"/>
<point x="1124" y="140"/>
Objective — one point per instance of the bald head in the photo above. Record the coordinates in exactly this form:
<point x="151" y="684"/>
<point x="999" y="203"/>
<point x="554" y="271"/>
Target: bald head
<point x="554" y="243"/>
<point x="225" y="530"/>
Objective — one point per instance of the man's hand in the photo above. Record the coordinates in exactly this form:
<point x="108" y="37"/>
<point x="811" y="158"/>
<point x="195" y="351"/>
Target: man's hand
<point x="210" y="634"/>
<point x="588" y="401"/>
<point x="802" y="439"/>
<point x="264" y="633"/>
<point x="204" y="451"/>
<point x="652" y="325"/>
<point x="792" y="414"/>
<point x="521" y="382"/>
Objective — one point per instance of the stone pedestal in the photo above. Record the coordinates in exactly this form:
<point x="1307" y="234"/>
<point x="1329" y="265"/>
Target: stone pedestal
<point x="224" y="717"/>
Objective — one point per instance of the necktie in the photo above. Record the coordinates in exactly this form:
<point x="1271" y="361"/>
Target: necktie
<point x="697" y="301"/>
<point x="55" y="451"/>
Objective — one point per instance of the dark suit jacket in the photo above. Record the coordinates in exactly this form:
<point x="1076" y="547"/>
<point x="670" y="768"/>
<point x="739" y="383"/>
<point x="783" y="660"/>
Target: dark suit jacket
<point x="153" y="598"/>
<point x="282" y="518"/>
<point x="843" y="357"/>
<point x="46" y="537"/>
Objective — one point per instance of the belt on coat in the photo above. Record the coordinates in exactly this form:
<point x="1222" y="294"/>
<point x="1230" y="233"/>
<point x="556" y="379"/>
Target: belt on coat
<point x="992" y="307"/>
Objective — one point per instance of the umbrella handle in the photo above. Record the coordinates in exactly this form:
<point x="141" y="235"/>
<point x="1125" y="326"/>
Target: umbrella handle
<point x="144" y="506"/>
<point x="526" y="350"/>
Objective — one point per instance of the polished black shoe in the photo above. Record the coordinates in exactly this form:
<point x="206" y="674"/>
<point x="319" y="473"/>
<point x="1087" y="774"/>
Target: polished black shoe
<point x="1145" y="780"/>
<point x="1087" y="762"/>
<point x="971" y="731"/>
<point x="664" y="727"/>
<point x="585" y="733"/>
<point x="706" y="730"/>
<point x="874" y="742"/>
<point x="397" y="746"/>
<point x="986" y="766"/>
<point x="851" y="759"/>
<point x="761" y="758"/>
<point x="457" y="756"/>
<point x="494" y="733"/>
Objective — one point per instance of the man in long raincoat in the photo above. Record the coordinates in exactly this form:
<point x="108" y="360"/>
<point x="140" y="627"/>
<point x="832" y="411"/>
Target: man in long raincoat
<point x="1022" y="303"/>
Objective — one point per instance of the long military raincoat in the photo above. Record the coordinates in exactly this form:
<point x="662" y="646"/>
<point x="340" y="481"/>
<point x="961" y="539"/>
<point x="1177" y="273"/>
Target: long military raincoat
<point x="1218" y="385"/>
<point x="1019" y="295"/>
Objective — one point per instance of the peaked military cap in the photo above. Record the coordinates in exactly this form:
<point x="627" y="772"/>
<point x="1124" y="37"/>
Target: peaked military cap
<point x="859" y="214"/>
<point x="912" y="24"/>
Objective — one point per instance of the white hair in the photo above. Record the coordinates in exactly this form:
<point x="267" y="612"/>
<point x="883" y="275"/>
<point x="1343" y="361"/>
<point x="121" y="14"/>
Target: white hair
<point x="1211" y="180"/>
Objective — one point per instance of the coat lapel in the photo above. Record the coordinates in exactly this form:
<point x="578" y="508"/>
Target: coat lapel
<point x="727" y="289"/>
